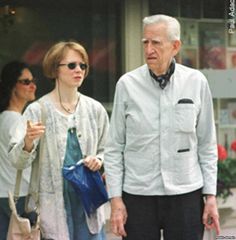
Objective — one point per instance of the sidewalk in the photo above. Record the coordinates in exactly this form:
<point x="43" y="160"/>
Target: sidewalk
<point x="227" y="222"/>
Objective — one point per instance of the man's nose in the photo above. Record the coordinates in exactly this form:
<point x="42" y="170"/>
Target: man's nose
<point x="149" y="48"/>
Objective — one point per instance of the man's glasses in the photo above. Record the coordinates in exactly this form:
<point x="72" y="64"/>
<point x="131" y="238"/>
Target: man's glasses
<point x="73" y="65"/>
<point x="27" y="81"/>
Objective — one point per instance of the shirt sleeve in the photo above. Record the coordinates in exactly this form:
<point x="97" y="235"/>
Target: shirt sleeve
<point x="19" y="158"/>
<point x="207" y="146"/>
<point x="113" y="161"/>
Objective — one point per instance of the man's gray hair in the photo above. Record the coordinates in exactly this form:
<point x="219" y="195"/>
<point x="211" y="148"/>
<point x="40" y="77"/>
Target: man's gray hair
<point x="172" y="24"/>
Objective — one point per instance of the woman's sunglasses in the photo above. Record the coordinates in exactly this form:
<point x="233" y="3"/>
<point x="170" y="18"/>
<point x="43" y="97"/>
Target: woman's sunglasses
<point x="27" y="81"/>
<point x="73" y="65"/>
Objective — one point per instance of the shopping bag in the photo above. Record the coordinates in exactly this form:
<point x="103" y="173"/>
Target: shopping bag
<point x="87" y="184"/>
<point x="22" y="228"/>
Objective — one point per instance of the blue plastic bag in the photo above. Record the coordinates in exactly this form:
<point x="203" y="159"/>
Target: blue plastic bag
<point x="87" y="184"/>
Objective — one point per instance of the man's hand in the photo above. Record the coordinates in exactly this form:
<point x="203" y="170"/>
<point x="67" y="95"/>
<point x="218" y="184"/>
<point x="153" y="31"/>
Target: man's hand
<point x="211" y="215"/>
<point x="118" y="216"/>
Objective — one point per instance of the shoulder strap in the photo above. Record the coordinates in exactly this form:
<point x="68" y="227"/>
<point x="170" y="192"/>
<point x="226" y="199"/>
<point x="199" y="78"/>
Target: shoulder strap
<point x="17" y="184"/>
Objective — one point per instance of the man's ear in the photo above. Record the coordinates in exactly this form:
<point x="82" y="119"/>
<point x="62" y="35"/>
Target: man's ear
<point x="176" y="46"/>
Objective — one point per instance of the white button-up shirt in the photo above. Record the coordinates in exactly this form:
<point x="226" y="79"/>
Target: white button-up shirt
<point x="161" y="142"/>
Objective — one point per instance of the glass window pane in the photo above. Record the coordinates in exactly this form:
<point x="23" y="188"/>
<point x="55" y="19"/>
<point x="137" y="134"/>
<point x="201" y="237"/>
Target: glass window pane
<point x="39" y="24"/>
<point x="164" y="7"/>
<point x="214" y="9"/>
<point x="190" y="9"/>
<point x="212" y="45"/>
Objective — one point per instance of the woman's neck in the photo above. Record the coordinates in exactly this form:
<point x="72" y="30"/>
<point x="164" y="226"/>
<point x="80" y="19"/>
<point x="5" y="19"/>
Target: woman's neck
<point x="66" y="99"/>
<point x="67" y="95"/>
<point x="16" y="105"/>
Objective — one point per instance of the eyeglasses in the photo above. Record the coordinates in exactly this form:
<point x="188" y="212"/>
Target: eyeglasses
<point x="27" y="81"/>
<point x="73" y="65"/>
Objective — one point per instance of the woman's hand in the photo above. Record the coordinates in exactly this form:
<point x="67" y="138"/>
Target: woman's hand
<point x="33" y="131"/>
<point x="93" y="163"/>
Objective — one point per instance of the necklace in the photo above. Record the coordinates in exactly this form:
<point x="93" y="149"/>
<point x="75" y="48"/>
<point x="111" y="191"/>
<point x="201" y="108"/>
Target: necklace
<point x="68" y="110"/>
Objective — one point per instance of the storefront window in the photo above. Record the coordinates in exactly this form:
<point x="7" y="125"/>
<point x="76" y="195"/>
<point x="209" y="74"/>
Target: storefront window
<point x="212" y="45"/>
<point x="190" y="9"/>
<point x="214" y="9"/>
<point x="37" y="25"/>
<point x="206" y="44"/>
<point x="164" y="7"/>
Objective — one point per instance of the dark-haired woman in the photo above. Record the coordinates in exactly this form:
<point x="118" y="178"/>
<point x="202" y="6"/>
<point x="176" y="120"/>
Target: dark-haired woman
<point x="17" y="87"/>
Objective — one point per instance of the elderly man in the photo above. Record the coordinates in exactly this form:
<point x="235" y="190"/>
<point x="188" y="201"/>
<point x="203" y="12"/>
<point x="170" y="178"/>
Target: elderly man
<point x="161" y="155"/>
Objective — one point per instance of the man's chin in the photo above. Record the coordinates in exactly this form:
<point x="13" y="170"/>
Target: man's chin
<point x="152" y="64"/>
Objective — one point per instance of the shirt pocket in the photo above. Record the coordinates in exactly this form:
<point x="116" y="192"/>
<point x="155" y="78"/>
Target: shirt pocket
<point x="187" y="170"/>
<point x="185" y="118"/>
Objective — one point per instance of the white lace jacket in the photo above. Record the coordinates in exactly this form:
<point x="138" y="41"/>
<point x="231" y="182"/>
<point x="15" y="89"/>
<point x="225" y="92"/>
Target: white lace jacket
<point x="91" y="122"/>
